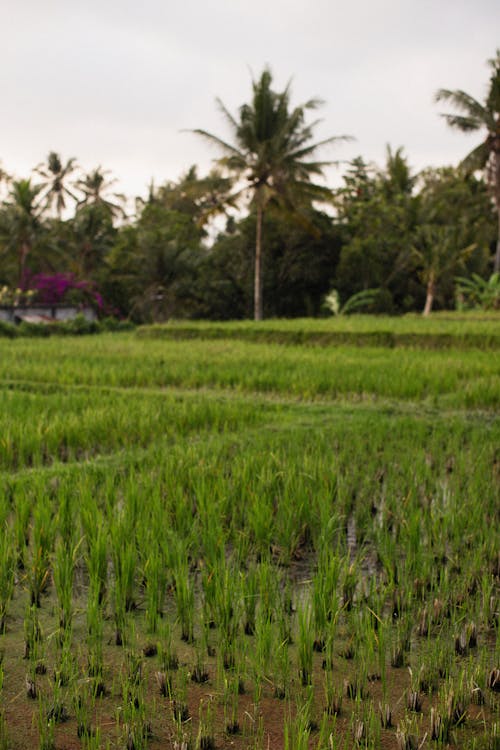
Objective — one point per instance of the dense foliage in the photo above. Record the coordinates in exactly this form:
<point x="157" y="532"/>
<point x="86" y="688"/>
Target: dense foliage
<point x="193" y="249"/>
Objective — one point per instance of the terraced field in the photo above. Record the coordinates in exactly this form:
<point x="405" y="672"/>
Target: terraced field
<point x="241" y="536"/>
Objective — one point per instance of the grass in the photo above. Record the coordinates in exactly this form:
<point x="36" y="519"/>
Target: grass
<point x="240" y="544"/>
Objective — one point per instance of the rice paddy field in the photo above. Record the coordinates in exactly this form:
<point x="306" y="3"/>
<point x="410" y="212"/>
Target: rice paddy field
<point x="284" y="535"/>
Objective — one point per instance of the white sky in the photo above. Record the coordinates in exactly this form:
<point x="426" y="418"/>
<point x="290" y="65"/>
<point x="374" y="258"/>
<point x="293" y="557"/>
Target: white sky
<point x="114" y="82"/>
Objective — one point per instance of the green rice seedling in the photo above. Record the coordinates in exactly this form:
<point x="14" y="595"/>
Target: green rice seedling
<point x="327" y="739"/>
<point x="333" y="694"/>
<point x="63" y="570"/>
<point x="293" y="530"/>
<point x="43" y="533"/>
<point x="199" y="673"/>
<point x="493" y="736"/>
<point x="22" y="515"/>
<point x="321" y="609"/>
<point x="33" y="638"/>
<point x="400" y="644"/>
<point x="439" y="725"/>
<point x="305" y="645"/>
<point x="413" y="696"/>
<point x="96" y="557"/>
<point x="407" y="735"/>
<point x="350" y="576"/>
<point x="284" y="623"/>
<point x="82" y="702"/>
<point x="164" y="682"/>
<point x="136" y="730"/>
<point x="155" y="577"/>
<point x="365" y="726"/>
<point x="227" y="602"/>
<point x="385" y="713"/>
<point x="4" y="738"/>
<point x="119" y="614"/>
<point x="7" y="573"/>
<point x="281" y="660"/>
<point x="296" y="730"/>
<point x="264" y="643"/>
<point x="46" y="726"/>
<point x="65" y="516"/>
<point x="230" y="699"/>
<point x="490" y="603"/>
<point x="476" y="685"/>
<point x="269" y="582"/>
<point x="205" y="739"/>
<point x="355" y="686"/>
<point x="249" y="589"/>
<point x="167" y="655"/>
<point x="124" y="555"/>
<point x="366" y="655"/>
<point x="66" y="668"/>
<point x="183" y="727"/>
<point x="450" y="711"/>
<point x="93" y="740"/>
<point x="57" y="709"/>
<point x="443" y="653"/>
<point x="184" y="599"/>
<point x="208" y="584"/>
<point x="95" y="657"/>
<point x="124" y="564"/>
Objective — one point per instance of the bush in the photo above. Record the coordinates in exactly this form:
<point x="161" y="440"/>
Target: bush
<point x="8" y="330"/>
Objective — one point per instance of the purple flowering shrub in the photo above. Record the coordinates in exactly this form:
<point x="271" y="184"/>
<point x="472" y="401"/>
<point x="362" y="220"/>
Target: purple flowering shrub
<point x="60" y="288"/>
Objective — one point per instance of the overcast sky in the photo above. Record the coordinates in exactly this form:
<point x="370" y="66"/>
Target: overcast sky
<point x="115" y="82"/>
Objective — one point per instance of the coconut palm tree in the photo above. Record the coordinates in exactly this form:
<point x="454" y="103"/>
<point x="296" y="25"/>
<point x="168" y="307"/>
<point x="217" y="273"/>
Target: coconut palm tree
<point x="273" y="153"/>
<point x="476" y="116"/>
<point x="22" y="223"/>
<point x="95" y="187"/>
<point x="55" y="188"/>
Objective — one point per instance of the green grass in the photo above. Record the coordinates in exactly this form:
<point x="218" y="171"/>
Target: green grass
<point x="456" y="378"/>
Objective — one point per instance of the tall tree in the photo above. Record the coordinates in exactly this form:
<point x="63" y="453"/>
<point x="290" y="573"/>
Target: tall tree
<point x="21" y="223"/>
<point x="273" y="152"/>
<point x="376" y="211"/>
<point x="96" y="189"/>
<point x="55" y="188"/>
<point x="476" y="116"/>
<point x="453" y="230"/>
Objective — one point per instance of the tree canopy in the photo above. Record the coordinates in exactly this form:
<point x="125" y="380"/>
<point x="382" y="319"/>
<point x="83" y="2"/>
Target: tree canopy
<point x="399" y="240"/>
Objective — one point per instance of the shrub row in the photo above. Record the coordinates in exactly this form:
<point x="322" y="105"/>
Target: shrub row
<point x="79" y="326"/>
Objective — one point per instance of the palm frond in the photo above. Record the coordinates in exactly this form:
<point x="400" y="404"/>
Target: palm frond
<point x="466" y="124"/>
<point x="463" y="102"/>
<point x="216" y="141"/>
<point x="477" y="159"/>
<point x="226" y="113"/>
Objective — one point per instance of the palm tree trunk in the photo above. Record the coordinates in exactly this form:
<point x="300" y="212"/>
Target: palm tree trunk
<point x="257" y="292"/>
<point x="430" y="294"/>
<point x="496" y="265"/>
<point x="23" y="254"/>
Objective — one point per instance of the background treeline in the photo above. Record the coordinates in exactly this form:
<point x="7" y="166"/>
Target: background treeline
<point x="67" y="235"/>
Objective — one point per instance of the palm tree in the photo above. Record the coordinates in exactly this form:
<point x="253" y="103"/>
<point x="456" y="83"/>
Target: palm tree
<point x="55" y="188"/>
<point x="477" y="116"/>
<point x="272" y="152"/>
<point x="22" y="223"/>
<point x="95" y="187"/>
